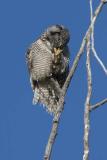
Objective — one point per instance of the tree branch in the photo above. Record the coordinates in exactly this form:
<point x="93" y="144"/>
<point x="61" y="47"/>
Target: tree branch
<point x="87" y="104"/>
<point x="99" y="104"/>
<point x="56" y="119"/>
<point x="52" y="137"/>
<point x="51" y="141"/>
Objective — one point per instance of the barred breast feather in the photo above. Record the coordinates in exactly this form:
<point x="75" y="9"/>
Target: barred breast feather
<point x="40" y="60"/>
<point x="46" y="89"/>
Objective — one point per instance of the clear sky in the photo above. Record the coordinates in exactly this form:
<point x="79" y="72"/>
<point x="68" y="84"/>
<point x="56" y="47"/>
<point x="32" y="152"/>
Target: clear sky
<point x="24" y="128"/>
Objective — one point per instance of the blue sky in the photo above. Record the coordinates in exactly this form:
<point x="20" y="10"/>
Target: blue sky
<point x="24" y="128"/>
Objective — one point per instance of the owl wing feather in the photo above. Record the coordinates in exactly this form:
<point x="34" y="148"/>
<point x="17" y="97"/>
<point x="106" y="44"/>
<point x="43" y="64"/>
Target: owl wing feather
<point x="39" y="60"/>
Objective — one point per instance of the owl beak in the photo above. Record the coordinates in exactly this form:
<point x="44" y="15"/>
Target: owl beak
<point x="57" y="51"/>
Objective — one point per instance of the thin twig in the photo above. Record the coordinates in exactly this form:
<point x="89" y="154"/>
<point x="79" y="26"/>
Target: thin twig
<point x="56" y="120"/>
<point x="95" y="106"/>
<point x="99" y="60"/>
<point x="93" y="44"/>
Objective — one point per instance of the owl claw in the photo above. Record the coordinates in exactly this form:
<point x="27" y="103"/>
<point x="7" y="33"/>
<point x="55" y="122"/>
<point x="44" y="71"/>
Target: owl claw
<point x="57" y="51"/>
<point x="57" y="54"/>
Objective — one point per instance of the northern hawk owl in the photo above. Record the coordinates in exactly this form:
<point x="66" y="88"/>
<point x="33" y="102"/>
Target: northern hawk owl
<point x="48" y="65"/>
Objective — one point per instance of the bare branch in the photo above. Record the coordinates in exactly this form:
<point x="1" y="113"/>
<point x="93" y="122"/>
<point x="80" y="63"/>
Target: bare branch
<point x="53" y="133"/>
<point x="51" y="141"/>
<point x="56" y="120"/>
<point x="99" y="104"/>
<point x="87" y="104"/>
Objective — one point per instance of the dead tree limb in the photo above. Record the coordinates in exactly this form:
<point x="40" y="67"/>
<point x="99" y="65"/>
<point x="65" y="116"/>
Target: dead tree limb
<point x="87" y="104"/>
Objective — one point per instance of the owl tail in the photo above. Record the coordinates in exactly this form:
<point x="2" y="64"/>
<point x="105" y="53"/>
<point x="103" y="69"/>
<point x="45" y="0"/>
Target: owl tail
<point x="47" y="93"/>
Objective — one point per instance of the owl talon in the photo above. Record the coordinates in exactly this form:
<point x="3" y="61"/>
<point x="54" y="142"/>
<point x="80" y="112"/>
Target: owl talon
<point x="57" y="51"/>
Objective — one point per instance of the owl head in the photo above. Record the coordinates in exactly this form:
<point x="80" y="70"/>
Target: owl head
<point x="57" y="35"/>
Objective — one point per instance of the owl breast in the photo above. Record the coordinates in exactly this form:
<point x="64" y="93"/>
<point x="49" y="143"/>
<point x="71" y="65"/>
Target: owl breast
<point x="41" y="60"/>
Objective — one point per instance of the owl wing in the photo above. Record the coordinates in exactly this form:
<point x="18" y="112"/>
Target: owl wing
<point x="29" y="65"/>
<point x="47" y="93"/>
<point x="65" y="66"/>
<point x="39" y="62"/>
<point x="29" y="59"/>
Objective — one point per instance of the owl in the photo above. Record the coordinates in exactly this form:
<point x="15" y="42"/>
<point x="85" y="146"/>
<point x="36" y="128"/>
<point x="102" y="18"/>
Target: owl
<point x="48" y="66"/>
